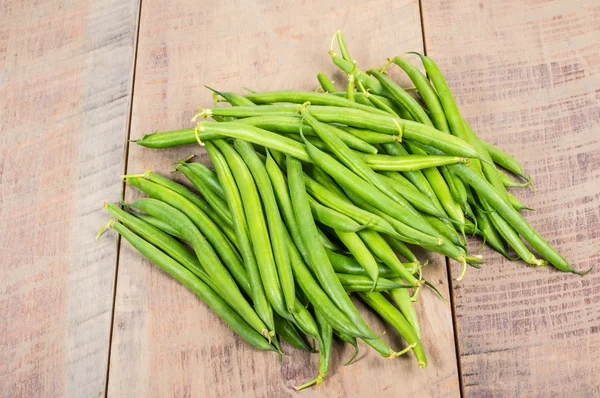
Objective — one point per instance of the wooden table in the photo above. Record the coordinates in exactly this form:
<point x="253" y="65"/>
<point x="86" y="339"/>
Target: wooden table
<point x="81" y="318"/>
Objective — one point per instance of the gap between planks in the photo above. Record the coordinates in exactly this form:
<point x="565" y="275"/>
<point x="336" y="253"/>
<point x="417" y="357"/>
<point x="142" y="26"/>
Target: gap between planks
<point x="123" y="188"/>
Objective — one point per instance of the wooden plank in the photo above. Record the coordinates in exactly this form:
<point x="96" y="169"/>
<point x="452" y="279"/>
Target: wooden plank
<point x="65" y="80"/>
<point x="526" y="75"/>
<point x="165" y="341"/>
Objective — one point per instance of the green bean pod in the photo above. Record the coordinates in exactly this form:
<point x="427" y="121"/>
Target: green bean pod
<point x="505" y="160"/>
<point x="318" y="257"/>
<point x="370" y="136"/>
<point x="333" y="218"/>
<point x="389" y="313"/>
<point x="215" y="201"/>
<point x="348" y="265"/>
<point x="402" y="299"/>
<point x="208" y="177"/>
<point x="516" y="203"/>
<point x="402" y="97"/>
<point x="326" y="84"/>
<point x="259" y="235"/>
<point x="288" y="333"/>
<point x="206" y="255"/>
<point x="382" y="250"/>
<point x="240" y="225"/>
<point x="157" y="223"/>
<point x="222" y="309"/>
<point x="300" y="97"/>
<point x="361" y="253"/>
<point x="213" y="232"/>
<point x="509" y="183"/>
<point x="363" y="283"/>
<point x="274" y="221"/>
<point x="410" y="162"/>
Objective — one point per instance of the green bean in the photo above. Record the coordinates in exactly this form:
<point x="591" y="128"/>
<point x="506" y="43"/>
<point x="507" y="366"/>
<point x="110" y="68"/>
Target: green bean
<point x="274" y="221"/>
<point x="516" y="203"/>
<point x="157" y="223"/>
<point x="343" y="48"/>
<point x="293" y="124"/>
<point x="215" y="201"/>
<point x="427" y="93"/>
<point x="508" y="213"/>
<point x="223" y="310"/>
<point x="208" y="177"/>
<point x="331" y="114"/>
<point x="369" y="136"/>
<point x="361" y="169"/>
<point x="440" y="187"/>
<point x="350" y="86"/>
<point x="402" y="97"/>
<point x="407" y="233"/>
<point x="505" y="161"/>
<point x="315" y="294"/>
<point x="344" y="206"/>
<point x="370" y="99"/>
<point x="302" y="318"/>
<point x="318" y="256"/>
<point x="361" y="253"/>
<point x="412" y="195"/>
<point x="508" y="182"/>
<point x="348" y="265"/>
<point x="300" y="97"/>
<point x="350" y="340"/>
<point x="232" y="98"/>
<point x="240" y="225"/>
<point x="200" y="203"/>
<point x="326" y="84"/>
<point x="376" y="101"/>
<point x="411" y="131"/>
<point x="213" y="232"/>
<point x="446" y="231"/>
<point x="382" y="250"/>
<point x="369" y="81"/>
<point x="207" y="256"/>
<point x="333" y="218"/>
<point x="288" y="333"/>
<point x="402" y="250"/>
<point x="512" y="238"/>
<point x="488" y="231"/>
<point x="259" y="235"/>
<point x="416" y="177"/>
<point x="363" y="283"/>
<point x="402" y="299"/>
<point x="389" y="313"/>
<point x="325" y="346"/>
<point x="410" y="162"/>
<point x="164" y="242"/>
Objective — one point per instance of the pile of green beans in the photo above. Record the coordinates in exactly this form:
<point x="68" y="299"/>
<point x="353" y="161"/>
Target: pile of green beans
<point x="315" y="197"/>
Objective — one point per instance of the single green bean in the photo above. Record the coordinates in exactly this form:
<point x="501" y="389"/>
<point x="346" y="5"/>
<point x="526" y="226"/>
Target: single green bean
<point x="326" y="84"/>
<point x="516" y="203"/>
<point x="410" y="162"/>
<point x="508" y="182"/>
<point x="157" y="223"/>
<point x="505" y="160"/>
<point x="402" y="299"/>
<point x="361" y="253"/>
<point x="363" y="283"/>
<point x="288" y="333"/>
<point x="348" y="265"/>
<point x="391" y="314"/>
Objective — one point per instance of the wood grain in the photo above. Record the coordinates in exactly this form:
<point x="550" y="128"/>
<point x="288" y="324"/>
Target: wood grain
<point x="526" y="75"/>
<point x="65" y="80"/>
<point x="166" y="342"/>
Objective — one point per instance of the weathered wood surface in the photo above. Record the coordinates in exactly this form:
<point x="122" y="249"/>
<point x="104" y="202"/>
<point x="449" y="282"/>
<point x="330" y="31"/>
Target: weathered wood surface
<point x="526" y="76"/>
<point x="165" y="341"/>
<point x="65" y="82"/>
